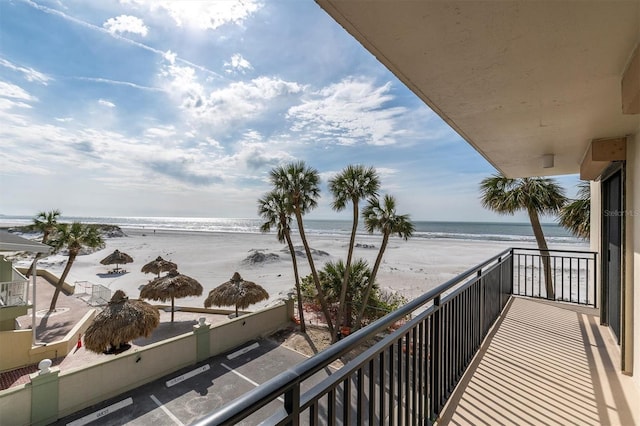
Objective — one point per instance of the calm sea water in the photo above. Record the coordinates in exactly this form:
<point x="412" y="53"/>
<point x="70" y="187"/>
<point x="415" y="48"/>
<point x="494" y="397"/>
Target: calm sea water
<point x="491" y="231"/>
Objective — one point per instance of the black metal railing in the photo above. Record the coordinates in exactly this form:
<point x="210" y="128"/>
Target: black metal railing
<point x="572" y="274"/>
<point x="406" y="377"/>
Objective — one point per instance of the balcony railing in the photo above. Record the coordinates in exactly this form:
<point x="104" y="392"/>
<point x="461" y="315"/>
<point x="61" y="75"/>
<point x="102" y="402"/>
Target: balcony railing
<point x="573" y="274"/>
<point x="13" y="293"/>
<point x="407" y="376"/>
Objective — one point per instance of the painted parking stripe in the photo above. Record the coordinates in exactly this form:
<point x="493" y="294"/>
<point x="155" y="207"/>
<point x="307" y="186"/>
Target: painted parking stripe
<point x="101" y="413"/>
<point x="242" y="376"/>
<point x="166" y="410"/>
<point x="243" y="351"/>
<point x="188" y="375"/>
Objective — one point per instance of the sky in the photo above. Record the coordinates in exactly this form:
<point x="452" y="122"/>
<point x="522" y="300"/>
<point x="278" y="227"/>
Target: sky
<point x="181" y="108"/>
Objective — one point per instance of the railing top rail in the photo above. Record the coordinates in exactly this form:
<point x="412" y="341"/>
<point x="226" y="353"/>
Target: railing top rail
<point x="25" y="281"/>
<point x="555" y="250"/>
<point x="261" y="395"/>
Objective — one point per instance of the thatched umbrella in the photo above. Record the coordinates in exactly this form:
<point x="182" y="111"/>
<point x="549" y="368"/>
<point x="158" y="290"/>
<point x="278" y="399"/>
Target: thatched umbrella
<point x="158" y="265"/>
<point x="236" y="292"/>
<point x="171" y="286"/>
<point x="121" y="321"/>
<point x="117" y="257"/>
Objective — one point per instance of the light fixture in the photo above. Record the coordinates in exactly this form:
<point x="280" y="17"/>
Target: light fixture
<point x="547" y="161"/>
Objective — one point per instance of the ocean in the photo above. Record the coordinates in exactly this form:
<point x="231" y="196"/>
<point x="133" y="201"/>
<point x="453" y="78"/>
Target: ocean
<point x="480" y="231"/>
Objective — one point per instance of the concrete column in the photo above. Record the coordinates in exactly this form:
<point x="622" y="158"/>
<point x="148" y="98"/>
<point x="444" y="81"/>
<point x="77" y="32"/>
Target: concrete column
<point x="44" y="394"/>
<point x="202" y="334"/>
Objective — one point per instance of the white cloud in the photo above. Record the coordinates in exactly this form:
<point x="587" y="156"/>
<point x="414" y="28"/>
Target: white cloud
<point x="29" y="73"/>
<point x="126" y="24"/>
<point x="238" y="101"/>
<point x="201" y="15"/>
<point x="237" y="64"/>
<point x="170" y="56"/>
<point x="349" y="112"/>
<point x="161" y="132"/>
<point x="9" y="90"/>
<point x="106" y="103"/>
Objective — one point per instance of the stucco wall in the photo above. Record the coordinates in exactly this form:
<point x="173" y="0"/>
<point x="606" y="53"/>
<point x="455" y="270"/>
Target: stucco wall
<point x="247" y="327"/>
<point x="86" y="386"/>
<point x="633" y="257"/>
<point x="15" y="406"/>
<point x="16" y="350"/>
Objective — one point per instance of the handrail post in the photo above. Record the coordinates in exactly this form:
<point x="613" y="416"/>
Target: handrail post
<point x="436" y="360"/>
<point x="292" y="404"/>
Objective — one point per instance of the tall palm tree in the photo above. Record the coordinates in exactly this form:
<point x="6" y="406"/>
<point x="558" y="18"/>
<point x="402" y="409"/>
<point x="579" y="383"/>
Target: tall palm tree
<point x="301" y="184"/>
<point x="576" y="215"/>
<point x="382" y="217"/>
<point x="353" y="184"/>
<point x="74" y="238"/>
<point x="272" y="207"/>
<point x="46" y="223"/>
<point x="535" y="195"/>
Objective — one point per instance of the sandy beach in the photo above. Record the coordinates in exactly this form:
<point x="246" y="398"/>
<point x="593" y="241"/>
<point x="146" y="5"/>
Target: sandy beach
<point x="409" y="267"/>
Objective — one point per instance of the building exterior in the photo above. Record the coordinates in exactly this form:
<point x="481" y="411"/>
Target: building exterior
<point x="538" y="89"/>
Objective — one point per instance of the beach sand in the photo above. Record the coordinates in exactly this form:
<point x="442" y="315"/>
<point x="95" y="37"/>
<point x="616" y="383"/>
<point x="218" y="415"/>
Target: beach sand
<point x="409" y="267"/>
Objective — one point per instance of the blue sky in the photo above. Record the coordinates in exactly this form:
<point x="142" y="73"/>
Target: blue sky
<point x="181" y="108"/>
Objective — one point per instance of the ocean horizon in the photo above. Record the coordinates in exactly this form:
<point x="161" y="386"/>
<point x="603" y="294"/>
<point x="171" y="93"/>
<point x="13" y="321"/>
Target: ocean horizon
<point x="480" y="231"/>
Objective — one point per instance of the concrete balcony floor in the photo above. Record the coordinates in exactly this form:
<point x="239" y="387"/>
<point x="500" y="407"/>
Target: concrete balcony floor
<point x="546" y="363"/>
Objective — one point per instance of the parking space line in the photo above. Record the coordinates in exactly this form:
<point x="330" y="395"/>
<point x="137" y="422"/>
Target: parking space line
<point x="101" y="413"/>
<point x="166" y="410"/>
<point x="244" y="377"/>
<point x="243" y="351"/>
<point x="186" y="376"/>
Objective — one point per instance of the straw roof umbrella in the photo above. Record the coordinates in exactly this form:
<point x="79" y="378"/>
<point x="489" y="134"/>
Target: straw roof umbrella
<point x="170" y="286"/>
<point x="158" y="265"/>
<point x="121" y="321"/>
<point x="236" y="292"/>
<point x="117" y="257"/>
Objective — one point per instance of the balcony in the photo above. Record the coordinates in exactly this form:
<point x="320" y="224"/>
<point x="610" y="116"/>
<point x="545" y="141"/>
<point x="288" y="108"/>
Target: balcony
<point x="487" y="347"/>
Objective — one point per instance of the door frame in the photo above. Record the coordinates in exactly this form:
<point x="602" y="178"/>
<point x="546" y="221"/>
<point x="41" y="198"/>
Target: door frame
<point x="612" y="169"/>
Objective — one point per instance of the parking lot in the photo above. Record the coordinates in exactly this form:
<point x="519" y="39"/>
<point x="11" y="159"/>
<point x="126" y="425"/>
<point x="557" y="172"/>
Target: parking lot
<point x="182" y="397"/>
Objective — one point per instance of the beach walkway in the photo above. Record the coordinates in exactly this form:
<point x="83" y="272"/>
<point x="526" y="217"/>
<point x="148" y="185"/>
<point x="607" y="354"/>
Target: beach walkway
<point x="70" y="309"/>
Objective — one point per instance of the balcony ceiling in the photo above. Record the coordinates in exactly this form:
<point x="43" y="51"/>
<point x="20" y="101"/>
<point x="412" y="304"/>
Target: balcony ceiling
<point x="516" y="79"/>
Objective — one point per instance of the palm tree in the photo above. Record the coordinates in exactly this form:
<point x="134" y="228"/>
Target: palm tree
<point x="46" y="223"/>
<point x="535" y="195"/>
<point x="301" y="185"/>
<point x="272" y="207"/>
<point x="353" y="184"/>
<point x="576" y="215"/>
<point x="331" y="277"/>
<point x="383" y="218"/>
<point x="74" y="237"/>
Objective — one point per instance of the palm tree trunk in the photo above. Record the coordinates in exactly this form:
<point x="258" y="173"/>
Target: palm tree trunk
<point x="172" y="307"/>
<point x="56" y="293"/>
<point x="303" y="327"/>
<point x="544" y="252"/>
<point x="35" y="259"/>
<point x="45" y="237"/>
<point x="347" y="270"/>
<point x="314" y="273"/>
<point x="372" y="279"/>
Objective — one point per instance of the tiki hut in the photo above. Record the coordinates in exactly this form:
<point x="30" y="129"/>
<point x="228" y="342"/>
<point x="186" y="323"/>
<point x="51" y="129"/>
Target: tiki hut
<point x="117" y="258"/>
<point x="158" y="265"/>
<point x="236" y="292"/>
<point x="121" y="321"/>
<point x="170" y="286"/>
